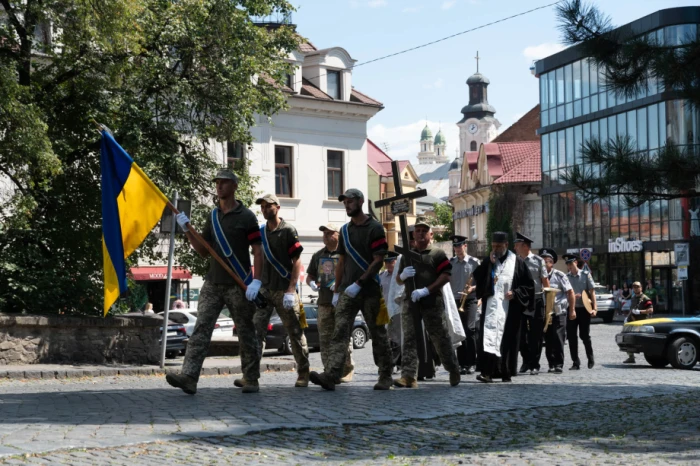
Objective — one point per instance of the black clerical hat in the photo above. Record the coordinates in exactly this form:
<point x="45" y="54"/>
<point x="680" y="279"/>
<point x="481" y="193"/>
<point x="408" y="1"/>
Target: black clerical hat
<point x="499" y="237"/>
<point x="458" y="240"/>
<point x="520" y="238"/>
<point x="569" y="258"/>
<point x="391" y="256"/>
<point x="548" y="252"/>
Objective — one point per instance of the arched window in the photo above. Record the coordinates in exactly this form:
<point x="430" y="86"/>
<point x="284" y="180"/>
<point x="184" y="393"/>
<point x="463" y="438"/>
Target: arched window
<point x="472" y="146"/>
<point x="438" y="151"/>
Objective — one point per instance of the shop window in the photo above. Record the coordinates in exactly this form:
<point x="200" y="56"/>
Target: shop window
<point x="283" y="171"/>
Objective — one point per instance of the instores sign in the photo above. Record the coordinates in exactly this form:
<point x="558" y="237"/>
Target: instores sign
<point x="620" y="245"/>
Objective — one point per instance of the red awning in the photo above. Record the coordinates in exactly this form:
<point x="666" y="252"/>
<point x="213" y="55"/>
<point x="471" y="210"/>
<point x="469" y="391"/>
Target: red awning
<point x="159" y="273"/>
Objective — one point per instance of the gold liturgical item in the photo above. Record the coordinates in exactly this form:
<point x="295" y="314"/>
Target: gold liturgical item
<point x="550" y="295"/>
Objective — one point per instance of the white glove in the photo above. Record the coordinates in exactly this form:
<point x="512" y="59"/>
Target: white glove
<point x="332" y="287"/>
<point x="313" y="285"/>
<point x="334" y="301"/>
<point x="288" y="300"/>
<point x="408" y="272"/>
<point x="419" y="294"/>
<point x="352" y="290"/>
<point x="182" y="220"/>
<point x="253" y="289"/>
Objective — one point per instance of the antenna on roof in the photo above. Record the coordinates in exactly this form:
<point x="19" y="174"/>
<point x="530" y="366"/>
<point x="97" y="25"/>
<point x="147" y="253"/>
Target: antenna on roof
<point x="385" y="146"/>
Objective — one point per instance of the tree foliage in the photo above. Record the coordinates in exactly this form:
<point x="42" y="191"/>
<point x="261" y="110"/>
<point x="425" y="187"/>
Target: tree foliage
<point x="500" y="217"/>
<point x="443" y="219"/>
<point x="168" y="78"/>
<point x="630" y="63"/>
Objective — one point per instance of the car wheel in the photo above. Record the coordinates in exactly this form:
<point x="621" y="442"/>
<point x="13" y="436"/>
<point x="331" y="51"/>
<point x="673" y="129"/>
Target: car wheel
<point x="287" y="346"/>
<point x="683" y="353"/>
<point x="608" y="317"/>
<point x="359" y="338"/>
<point x="656" y="361"/>
<point x="171" y="354"/>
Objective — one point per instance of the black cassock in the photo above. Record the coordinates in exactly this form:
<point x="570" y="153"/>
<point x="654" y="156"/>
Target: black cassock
<point x="524" y="290"/>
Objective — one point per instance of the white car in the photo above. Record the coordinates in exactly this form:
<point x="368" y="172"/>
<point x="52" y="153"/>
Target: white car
<point x="605" y="303"/>
<point x="188" y="318"/>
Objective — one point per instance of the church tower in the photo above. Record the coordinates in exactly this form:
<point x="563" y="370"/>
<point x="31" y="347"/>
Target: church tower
<point x="440" y="148"/>
<point x="427" y="150"/>
<point x="478" y="124"/>
<point x="455" y="175"/>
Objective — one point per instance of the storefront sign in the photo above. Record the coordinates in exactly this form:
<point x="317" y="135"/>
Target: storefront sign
<point x="620" y="245"/>
<point x="682" y="251"/>
<point x="682" y="272"/>
<point x="580" y="251"/>
<point x="472" y="211"/>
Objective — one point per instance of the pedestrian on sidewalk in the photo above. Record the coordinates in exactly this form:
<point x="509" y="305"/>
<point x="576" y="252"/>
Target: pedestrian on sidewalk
<point x="362" y="247"/>
<point x="231" y="229"/>
<point x="320" y="276"/>
<point x="641" y="308"/>
<point x="281" y="269"/>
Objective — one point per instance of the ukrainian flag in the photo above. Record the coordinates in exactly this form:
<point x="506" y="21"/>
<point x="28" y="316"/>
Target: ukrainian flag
<point x="131" y="207"/>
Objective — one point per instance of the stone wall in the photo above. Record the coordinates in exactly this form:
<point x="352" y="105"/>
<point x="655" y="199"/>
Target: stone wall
<point x="30" y="339"/>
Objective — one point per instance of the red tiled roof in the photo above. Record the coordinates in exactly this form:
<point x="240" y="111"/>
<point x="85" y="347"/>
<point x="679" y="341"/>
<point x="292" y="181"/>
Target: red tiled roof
<point x="520" y="162"/>
<point x="357" y="96"/>
<point x="284" y="87"/>
<point x="525" y="129"/>
<point x="309" y="89"/>
<point x="472" y="159"/>
<point x="529" y="171"/>
<point x="306" y="47"/>
<point x="379" y="161"/>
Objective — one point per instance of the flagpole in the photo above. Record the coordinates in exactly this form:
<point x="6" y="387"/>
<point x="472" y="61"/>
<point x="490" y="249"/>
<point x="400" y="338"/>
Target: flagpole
<point x="168" y="281"/>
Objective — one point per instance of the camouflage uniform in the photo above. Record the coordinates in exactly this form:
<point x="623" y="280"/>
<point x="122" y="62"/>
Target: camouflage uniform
<point x="284" y="246"/>
<point x="431" y="310"/>
<point x="326" y="326"/>
<point x="212" y="299"/>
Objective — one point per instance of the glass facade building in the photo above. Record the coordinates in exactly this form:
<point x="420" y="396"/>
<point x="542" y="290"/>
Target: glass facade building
<point x="628" y="244"/>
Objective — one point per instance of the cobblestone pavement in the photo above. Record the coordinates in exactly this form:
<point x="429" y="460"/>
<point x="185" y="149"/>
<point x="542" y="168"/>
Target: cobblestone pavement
<point x="610" y="413"/>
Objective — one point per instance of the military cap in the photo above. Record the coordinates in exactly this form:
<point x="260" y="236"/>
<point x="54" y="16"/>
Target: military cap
<point x="224" y="174"/>
<point x="636" y="284"/>
<point x="458" y="240"/>
<point x="549" y="252"/>
<point x="391" y="256"/>
<point x="269" y="198"/>
<point x="569" y="258"/>
<point x="520" y="238"/>
<point x="422" y="221"/>
<point x="351" y="194"/>
<point x="499" y="237"/>
<point x="329" y="227"/>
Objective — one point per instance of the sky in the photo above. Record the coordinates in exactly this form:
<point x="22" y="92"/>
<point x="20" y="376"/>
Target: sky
<point x="429" y="84"/>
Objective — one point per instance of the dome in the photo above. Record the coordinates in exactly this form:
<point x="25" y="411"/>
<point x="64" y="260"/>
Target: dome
<point x="456" y="164"/>
<point x="440" y="138"/>
<point x="426" y="134"/>
<point x="478" y="78"/>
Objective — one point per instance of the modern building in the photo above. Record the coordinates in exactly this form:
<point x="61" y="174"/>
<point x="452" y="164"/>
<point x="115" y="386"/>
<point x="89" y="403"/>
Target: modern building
<point x="627" y="244"/>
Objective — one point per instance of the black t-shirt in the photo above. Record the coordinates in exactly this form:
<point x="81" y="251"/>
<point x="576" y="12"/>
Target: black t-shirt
<point x="322" y="267"/>
<point x="434" y="263"/>
<point x="369" y="240"/>
<point x="285" y="246"/>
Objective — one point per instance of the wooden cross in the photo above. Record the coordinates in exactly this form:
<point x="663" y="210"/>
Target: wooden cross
<point x="400" y="205"/>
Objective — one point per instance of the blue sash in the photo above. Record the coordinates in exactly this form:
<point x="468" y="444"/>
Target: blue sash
<point x="270" y="258"/>
<point x="227" y="250"/>
<point x="359" y="260"/>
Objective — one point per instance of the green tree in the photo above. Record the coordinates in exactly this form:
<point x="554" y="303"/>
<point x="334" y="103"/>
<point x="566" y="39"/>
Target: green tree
<point x="616" y="167"/>
<point x="168" y="78"/>
<point x="500" y="217"/>
<point x="443" y="219"/>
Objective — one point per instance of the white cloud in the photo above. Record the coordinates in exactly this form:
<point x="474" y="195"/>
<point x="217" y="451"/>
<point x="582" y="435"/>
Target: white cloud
<point x="436" y="85"/>
<point x="411" y="9"/>
<point x="403" y="141"/>
<point x="537" y="52"/>
<point x="376" y="3"/>
<point x="448" y="4"/>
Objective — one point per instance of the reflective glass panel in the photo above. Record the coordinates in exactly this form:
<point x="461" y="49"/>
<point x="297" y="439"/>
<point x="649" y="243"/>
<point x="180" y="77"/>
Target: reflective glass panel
<point x="560" y="85"/>
<point x="568" y="83"/>
<point x="585" y="79"/>
<point x="570" y="147"/>
<point x="642" y="129"/>
<point x="577" y="79"/>
<point x="653" y="126"/>
<point x="545" y="152"/>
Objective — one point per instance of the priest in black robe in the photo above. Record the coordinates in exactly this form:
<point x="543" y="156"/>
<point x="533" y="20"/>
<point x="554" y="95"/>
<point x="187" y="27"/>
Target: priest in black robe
<point x="506" y="289"/>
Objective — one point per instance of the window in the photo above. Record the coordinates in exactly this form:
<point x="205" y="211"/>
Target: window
<point x="472" y="146"/>
<point x="283" y="171"/>
<point x="334" y="85"/>
<point x="290" y="81"/>
<point x="235" y="152"/>
<point x="335" y="174"/>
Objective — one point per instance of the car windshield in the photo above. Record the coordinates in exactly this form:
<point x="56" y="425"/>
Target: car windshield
<point x="602" y="290"/>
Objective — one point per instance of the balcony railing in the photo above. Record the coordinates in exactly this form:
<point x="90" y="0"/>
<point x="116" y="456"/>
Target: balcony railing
<point x="273" y="19"/>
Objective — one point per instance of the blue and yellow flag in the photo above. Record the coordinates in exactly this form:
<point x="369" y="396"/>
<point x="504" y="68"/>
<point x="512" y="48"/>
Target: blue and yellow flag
<point x="131" y="207"/>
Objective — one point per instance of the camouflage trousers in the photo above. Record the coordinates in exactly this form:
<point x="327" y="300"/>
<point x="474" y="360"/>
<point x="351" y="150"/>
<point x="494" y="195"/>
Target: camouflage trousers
<point x="435" y="323"/>
<point x="345" y="312"/>
<point x="212" y="299"/>
<point x="326" y="327"/>
<point x="290" y="320"/>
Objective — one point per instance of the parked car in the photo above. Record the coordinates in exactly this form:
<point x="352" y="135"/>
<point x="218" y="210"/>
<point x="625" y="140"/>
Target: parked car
<point x="277" y="336"/>
<point x="666" y="340"/>
<point x="605" y="303"/>
<point x="175" y="338"/>
<point x="188" y="318"/>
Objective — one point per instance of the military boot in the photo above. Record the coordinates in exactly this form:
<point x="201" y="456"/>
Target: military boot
<point x="323" y="379"/>
<point x="385" y="382"/>
<point x="406" y="382"/>
<point x="302" y="380"/>
<point x="240" y="383"/>
<point x="251" y="386"/>
<point x="455" y="378"/>
<point x="348" y="377"/>
<point x="184" y="382"/>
